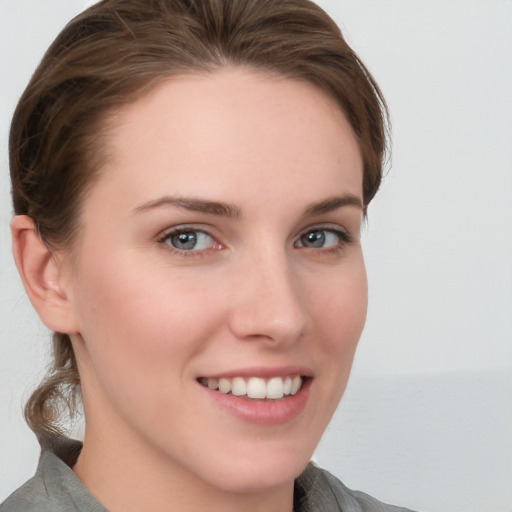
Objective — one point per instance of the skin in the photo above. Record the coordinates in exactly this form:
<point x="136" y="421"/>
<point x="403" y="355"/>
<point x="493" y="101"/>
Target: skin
<point x="147" y="319"/>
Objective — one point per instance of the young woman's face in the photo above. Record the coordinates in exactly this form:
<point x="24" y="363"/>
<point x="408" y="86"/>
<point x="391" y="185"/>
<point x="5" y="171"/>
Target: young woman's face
<point x="220" y="248"/>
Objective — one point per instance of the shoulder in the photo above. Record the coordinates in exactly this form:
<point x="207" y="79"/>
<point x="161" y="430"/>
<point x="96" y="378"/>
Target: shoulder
<point x="54" y="487"/>
<point x="317" y="489"/>
<point x="27" y="498"/>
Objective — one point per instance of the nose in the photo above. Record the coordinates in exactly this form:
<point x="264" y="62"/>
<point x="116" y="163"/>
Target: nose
<point x="269" y="303"/>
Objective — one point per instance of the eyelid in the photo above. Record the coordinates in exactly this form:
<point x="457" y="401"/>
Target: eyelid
<point x="183" y="228"/>
<point x="333" y="228"/>
<point x="167" y="233"/>
<point x="344" y="235"/>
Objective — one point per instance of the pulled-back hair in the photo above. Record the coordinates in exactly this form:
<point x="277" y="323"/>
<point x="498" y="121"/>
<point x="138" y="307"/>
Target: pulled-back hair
<point x="115" y="52"/>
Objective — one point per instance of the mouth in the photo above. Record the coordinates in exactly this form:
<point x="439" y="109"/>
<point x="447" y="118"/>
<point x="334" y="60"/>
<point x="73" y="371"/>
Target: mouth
<point x="260" y="396"/>
<point x="256" y="388"/>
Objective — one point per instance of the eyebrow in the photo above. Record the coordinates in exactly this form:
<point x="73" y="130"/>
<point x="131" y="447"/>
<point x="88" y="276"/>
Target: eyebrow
<point x="333" y="203"/>
<point x="230" y="210"/>
<point x="192" y="204"/>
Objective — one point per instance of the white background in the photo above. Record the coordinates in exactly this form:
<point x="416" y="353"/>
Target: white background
<point x="427" y="419"/>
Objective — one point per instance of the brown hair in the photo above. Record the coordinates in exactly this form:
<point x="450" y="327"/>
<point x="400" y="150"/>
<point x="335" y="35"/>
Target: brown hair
<point x="116" y="51"/>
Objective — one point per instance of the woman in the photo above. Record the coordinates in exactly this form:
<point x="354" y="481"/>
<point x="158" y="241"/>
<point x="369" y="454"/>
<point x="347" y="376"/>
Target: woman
<point x="189" y="179"/>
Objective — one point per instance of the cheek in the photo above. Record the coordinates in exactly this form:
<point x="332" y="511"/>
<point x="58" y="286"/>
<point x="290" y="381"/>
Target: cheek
<point x="139" y="335"/>
<point x="340" y="310"/>
<point x="133" y="319"/>
<point x="127" y="296"/>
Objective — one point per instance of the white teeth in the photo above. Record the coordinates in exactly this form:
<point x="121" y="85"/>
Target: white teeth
<point x="238" y="387"/>
<point x="275" y="388"/>
<point x="256" y="387"/>
<point x="296" y="384"/>
<point x="224" y="386"/>
<point x="287" y="388"/>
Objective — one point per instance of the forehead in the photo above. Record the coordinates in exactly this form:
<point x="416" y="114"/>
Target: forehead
<point x="200" y="132"/>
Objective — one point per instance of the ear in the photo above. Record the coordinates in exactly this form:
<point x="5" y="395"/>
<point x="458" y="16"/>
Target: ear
<point x="40" y="271"/>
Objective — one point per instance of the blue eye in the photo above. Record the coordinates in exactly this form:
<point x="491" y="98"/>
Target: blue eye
<point x="189" y="240"/>
<point x="323" y="239"/>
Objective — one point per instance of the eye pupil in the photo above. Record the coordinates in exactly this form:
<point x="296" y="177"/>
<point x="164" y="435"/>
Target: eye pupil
<point x="314" y="239"/>
<point x="184" y="241"/>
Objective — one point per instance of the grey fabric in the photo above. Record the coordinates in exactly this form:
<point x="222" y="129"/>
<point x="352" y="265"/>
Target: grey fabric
<point x="318" y="490"/>
<point x="55" y="488"/>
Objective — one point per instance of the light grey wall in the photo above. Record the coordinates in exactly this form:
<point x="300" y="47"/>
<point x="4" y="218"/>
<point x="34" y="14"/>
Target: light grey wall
<point x="427" y="418"/>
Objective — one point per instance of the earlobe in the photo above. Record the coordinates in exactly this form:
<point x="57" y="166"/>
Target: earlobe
<point x="40" y="273"/>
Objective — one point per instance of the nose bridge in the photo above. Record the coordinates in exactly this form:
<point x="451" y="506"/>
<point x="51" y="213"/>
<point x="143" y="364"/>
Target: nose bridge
<point x="270" y="303"/>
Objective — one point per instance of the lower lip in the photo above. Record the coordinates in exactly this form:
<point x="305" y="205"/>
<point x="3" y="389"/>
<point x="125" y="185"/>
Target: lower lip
<point x="263" y="412"/>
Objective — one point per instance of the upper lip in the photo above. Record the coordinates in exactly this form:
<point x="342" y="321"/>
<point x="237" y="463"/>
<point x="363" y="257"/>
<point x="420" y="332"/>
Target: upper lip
<point x="264" y="372"/>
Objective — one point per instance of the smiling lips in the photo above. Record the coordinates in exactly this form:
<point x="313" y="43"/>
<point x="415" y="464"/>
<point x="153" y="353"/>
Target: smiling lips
<point x="274" y="388"/>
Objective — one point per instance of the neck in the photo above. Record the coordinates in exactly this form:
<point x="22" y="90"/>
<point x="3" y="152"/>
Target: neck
<point x="124" y="477"/>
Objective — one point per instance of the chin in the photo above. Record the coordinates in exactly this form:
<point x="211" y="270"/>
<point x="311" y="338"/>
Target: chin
<point x="260" y="469"/>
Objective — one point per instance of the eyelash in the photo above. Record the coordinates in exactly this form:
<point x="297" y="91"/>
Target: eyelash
<point x="344" y="239"/>
<point x="185" y="230"/>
